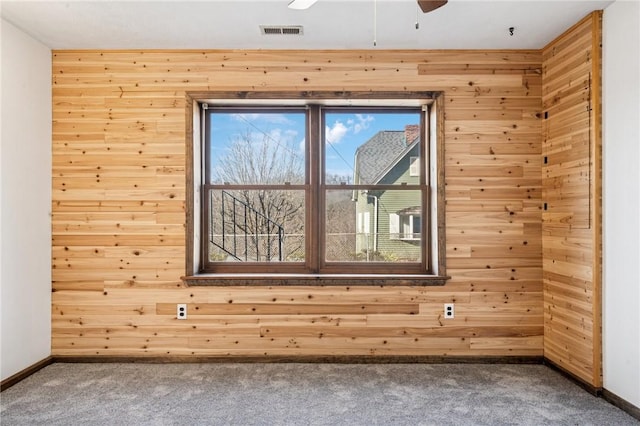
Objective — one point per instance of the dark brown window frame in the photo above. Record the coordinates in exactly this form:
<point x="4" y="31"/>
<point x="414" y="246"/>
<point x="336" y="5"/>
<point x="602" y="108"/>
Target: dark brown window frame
<point x="431" y="271"/>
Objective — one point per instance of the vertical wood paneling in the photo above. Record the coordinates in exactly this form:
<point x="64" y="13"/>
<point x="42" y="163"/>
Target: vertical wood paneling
<point x="119" y="195"/>
<point x="571" y="190"/>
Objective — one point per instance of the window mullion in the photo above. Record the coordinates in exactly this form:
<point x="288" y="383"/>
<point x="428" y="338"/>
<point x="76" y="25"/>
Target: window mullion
<point x="315" y="223"/>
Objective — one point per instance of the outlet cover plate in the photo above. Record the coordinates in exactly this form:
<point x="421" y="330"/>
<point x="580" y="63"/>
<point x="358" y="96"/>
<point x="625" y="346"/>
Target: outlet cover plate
<point x="449" y="310"/>
<point x="181" y="311"/>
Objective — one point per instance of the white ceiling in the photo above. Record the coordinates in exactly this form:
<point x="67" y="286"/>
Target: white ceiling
<point x="329" y="24"/>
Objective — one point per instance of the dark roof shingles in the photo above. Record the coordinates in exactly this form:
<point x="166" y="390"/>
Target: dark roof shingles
<point x="376" y="155"/>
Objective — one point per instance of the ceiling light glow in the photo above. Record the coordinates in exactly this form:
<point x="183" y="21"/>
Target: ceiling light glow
<point x="301" y="4"/>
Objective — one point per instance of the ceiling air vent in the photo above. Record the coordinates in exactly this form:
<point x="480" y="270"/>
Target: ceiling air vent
<point x="281" y="30"/>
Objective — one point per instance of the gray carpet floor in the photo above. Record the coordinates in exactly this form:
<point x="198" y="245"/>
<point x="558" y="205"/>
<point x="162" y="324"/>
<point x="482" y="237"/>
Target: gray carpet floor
<point x="303" y="394"/>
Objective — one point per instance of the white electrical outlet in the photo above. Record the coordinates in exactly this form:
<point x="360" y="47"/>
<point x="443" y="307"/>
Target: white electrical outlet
<point x="181" y="311"/>
<point x="448" y="310"/>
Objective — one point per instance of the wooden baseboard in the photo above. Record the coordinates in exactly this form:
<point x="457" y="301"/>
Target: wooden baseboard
<point x="338" y="359"/>
<point x="594" y="390"/>
<point x="21" y="375"/>
<point x="621" y="403"/>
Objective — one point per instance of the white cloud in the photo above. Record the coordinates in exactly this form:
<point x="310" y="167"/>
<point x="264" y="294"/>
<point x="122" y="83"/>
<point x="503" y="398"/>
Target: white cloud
<point x="335" y="133"/>
<point x="339" y="130"/>
<point x="363" y="122"/>
<point x="275" y="135"/>
<point x="290" y="134"/>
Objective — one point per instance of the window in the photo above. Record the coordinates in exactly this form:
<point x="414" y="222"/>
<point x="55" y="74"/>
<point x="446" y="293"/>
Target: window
<point x="326" y="186"/>
<point x="414" y="167"/>
<point x="406" y="224"/>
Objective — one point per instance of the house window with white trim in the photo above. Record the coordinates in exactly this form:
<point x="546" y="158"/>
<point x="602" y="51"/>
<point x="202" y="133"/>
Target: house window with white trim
<point x="414" y="166"/>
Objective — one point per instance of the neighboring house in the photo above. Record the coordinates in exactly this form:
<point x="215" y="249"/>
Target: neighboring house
<point x="388" y="222"/>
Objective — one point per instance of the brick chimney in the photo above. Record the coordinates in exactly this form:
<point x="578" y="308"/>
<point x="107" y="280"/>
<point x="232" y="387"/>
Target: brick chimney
<point x="411" y="132"/>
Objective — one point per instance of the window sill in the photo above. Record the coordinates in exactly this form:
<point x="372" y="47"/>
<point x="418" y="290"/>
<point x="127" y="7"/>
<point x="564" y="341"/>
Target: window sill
<point x="314" y="280"/>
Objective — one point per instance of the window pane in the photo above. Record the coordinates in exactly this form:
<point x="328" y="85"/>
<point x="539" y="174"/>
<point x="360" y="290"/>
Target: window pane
<point x="260" y="147"/>
<point x="415" y="228"/>
<point x="371" y="147"/>
<point x="373" y="226"/>
<point x="256" y="226"/>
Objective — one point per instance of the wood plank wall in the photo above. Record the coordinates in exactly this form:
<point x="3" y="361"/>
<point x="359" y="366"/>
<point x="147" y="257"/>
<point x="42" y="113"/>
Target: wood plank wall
<point x="572" y="191"/>
<point x="119" y="197"/>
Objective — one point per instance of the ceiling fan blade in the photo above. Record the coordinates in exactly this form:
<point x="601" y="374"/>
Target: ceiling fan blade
<point x="429" y="5"/>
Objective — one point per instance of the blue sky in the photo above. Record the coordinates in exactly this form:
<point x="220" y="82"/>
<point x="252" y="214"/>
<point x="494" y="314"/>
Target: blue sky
<point x="344" y="133"/>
